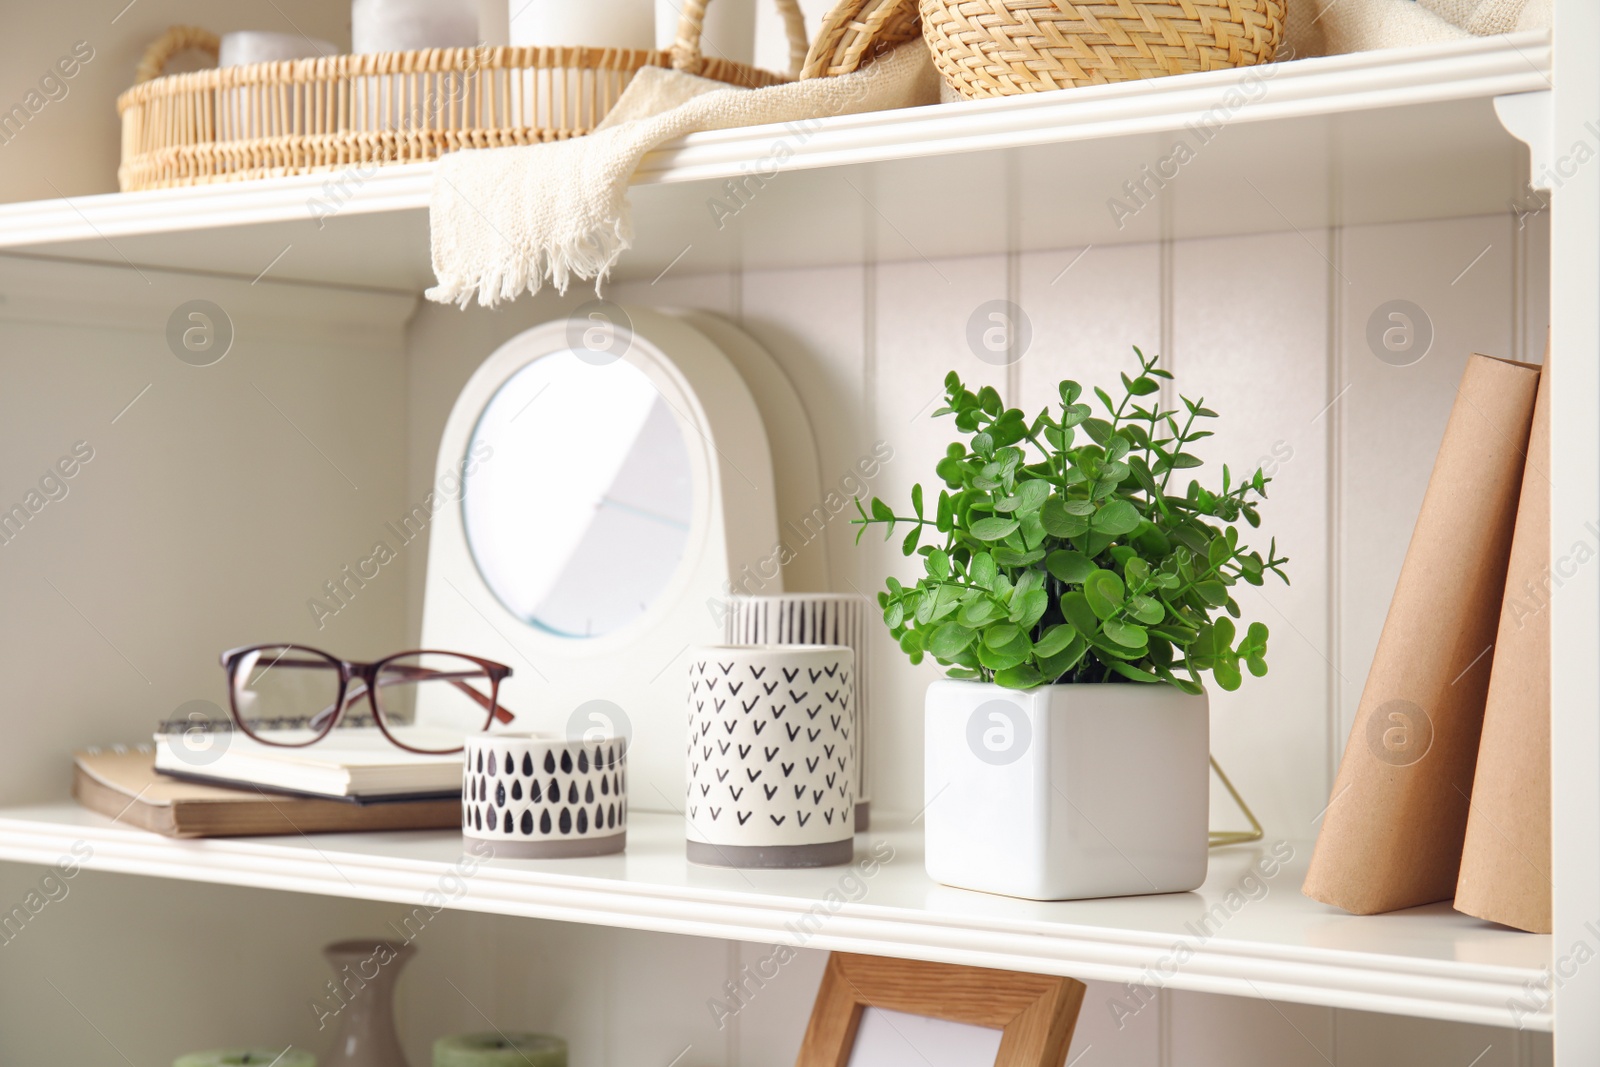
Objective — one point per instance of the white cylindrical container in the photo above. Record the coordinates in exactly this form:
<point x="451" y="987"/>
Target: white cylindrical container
<point x="243" y="47"/>
<point x="770" y="759"/>
<point x="583" y="23"/>
<point x="545" y="797"/>
<point x="412" y="25"/>
<point x="815" y="619"/>
<point x="729" y="31"/>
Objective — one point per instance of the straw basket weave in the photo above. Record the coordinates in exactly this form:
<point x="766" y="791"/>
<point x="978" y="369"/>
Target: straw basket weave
<point x="855" y="31"/>
<point x="1004" y="47"/>
<point x="306" y="115"/>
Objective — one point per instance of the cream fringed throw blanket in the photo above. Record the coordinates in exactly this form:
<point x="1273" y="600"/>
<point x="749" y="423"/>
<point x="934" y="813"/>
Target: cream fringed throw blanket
<point x="505" y="220"/>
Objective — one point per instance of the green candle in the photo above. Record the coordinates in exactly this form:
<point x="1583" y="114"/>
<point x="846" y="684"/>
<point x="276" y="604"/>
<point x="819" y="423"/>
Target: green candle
<point x="500" y="1050"/>
<point x="248" y="1057"/>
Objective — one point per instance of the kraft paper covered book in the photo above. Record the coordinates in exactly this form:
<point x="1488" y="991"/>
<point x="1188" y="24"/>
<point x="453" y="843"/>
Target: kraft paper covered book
<point x="1505" y="861"/>
<point x="1392" y="834"/>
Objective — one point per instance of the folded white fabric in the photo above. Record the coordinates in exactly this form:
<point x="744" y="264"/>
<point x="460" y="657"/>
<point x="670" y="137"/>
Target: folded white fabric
<point x="505" y="220"/>
<point x="1331" y="27"/>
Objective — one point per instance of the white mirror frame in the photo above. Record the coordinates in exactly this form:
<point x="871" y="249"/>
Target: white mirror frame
<point x="635" y="671"/>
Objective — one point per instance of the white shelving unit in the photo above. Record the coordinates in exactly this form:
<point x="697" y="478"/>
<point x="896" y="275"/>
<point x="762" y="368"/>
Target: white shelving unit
<point x="1336" y="182"/>
<point x="1363" y="138"/>
<point x="1266" y="941"/>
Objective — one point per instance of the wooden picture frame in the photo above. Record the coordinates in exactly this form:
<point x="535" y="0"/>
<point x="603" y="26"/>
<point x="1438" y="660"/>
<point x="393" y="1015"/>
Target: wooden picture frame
<point x="1035" y="1013"/>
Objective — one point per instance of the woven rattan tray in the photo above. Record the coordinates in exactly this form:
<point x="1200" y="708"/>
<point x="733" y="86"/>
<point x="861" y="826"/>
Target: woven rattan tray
<point x="338" y="112"/>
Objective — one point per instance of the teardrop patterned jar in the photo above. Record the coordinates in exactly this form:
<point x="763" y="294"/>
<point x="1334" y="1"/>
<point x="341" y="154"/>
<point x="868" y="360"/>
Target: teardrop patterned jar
<point x="546" y="797"/>
<point x="770" y="755"/>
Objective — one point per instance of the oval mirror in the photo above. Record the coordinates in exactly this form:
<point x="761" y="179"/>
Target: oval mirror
<point x="578" y="494"/>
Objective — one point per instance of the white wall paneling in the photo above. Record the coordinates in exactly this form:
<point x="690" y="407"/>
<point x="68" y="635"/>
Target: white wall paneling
<point x="225" y="496"/>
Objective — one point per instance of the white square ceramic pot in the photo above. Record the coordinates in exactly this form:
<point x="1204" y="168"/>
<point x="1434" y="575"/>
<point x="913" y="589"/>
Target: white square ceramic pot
<point x="1067" y="791"/>
<point x="816" y="619"/>
<point x="546" y="797"/>
<point x="770" y="760"/>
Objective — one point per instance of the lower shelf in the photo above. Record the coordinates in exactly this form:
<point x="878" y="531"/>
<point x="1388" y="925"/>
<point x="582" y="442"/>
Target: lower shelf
<point x="1247" y="932"/>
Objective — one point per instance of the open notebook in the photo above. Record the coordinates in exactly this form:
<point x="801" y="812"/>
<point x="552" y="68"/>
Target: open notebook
<point x="356" y="763"/>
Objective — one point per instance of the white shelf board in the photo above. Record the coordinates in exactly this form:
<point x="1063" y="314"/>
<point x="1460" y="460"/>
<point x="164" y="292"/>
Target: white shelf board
<point x="1368" y="137"/>
<point x="1430" y="962"/>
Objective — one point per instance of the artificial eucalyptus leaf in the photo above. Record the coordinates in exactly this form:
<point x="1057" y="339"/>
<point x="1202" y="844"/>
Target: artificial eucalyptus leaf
<point x="1115" y="519"/>
<point x="1099" y="430"/>
<point x="1001" y="635"/>
<point x="998" y="660"/>
<point x="1007" y="557"/>
<point x="993" y="528"/>
<point x="983" y="570"/>
<point x="1031" y="495"/>
<point x="1126" y="634"/>
<point x="1022" y="676"/>
<point x="1104" y="591"/>
<point x="1069" y="566"/>
<point x="978" y="612"/>
<point x="1058" y="521"/>
<point x="1226" y="671"/>
<point x="1054" y="639"/>
<point x="1146" y="609"/>
<point x="950" y="639"/>
<point x="1076" y="610"/>
<point x="1132" y="673"/>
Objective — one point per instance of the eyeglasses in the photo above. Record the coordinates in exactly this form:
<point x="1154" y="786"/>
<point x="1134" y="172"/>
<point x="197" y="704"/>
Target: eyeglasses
<point x="421" y="701"/>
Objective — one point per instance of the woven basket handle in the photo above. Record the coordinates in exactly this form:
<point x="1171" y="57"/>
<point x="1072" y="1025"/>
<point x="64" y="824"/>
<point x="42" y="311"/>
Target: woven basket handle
<point x="686" y="54"/>
<point x="176" y="39"/>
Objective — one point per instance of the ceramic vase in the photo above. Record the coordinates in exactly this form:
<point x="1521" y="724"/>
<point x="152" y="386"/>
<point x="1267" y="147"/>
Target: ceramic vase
<point x="1066" y="791"/>
<point x="365" y="973"/>
<point x="546" y="797"/>
<point x="815" y="619"/>
<point x="770" y="756"/>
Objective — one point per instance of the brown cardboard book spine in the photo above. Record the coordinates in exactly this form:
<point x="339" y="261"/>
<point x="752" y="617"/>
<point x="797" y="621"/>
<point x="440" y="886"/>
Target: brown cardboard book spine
<point x="1505" y="860"/>
<point x="1391" y="837"/>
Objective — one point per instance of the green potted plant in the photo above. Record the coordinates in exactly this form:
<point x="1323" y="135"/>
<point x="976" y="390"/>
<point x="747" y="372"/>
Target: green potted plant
<point x="1079" y="601"/>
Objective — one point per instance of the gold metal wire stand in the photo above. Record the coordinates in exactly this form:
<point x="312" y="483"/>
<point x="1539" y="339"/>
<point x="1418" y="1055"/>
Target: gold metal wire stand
<point x="1235" y="837"/>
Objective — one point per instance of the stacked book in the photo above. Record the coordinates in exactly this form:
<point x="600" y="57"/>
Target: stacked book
<point x="354" y="779"/>
<point x="1444" y="789"/>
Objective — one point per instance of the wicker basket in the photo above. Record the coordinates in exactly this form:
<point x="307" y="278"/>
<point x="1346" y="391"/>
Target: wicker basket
<point x="1004" y="47"/>
<point x="306" y="115"/>
<point x="857" y="30"/>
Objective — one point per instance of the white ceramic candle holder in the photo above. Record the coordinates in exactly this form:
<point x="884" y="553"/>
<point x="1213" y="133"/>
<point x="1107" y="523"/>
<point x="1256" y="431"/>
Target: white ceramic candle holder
<point x="583" y="23"/>
<point x="243" y="47"/>
<point x="546" y="797"/>
<point x="816" y="619"/>
<point x="412" y="25"/>
<point x="770" y="757"/>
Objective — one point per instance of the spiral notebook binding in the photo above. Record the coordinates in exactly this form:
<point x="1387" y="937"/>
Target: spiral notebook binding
<point x="223" y="726"/>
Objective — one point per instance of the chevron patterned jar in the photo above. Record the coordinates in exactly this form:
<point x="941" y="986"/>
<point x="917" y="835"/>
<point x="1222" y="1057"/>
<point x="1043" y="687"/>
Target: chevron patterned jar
<point x="770" y="755"/>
